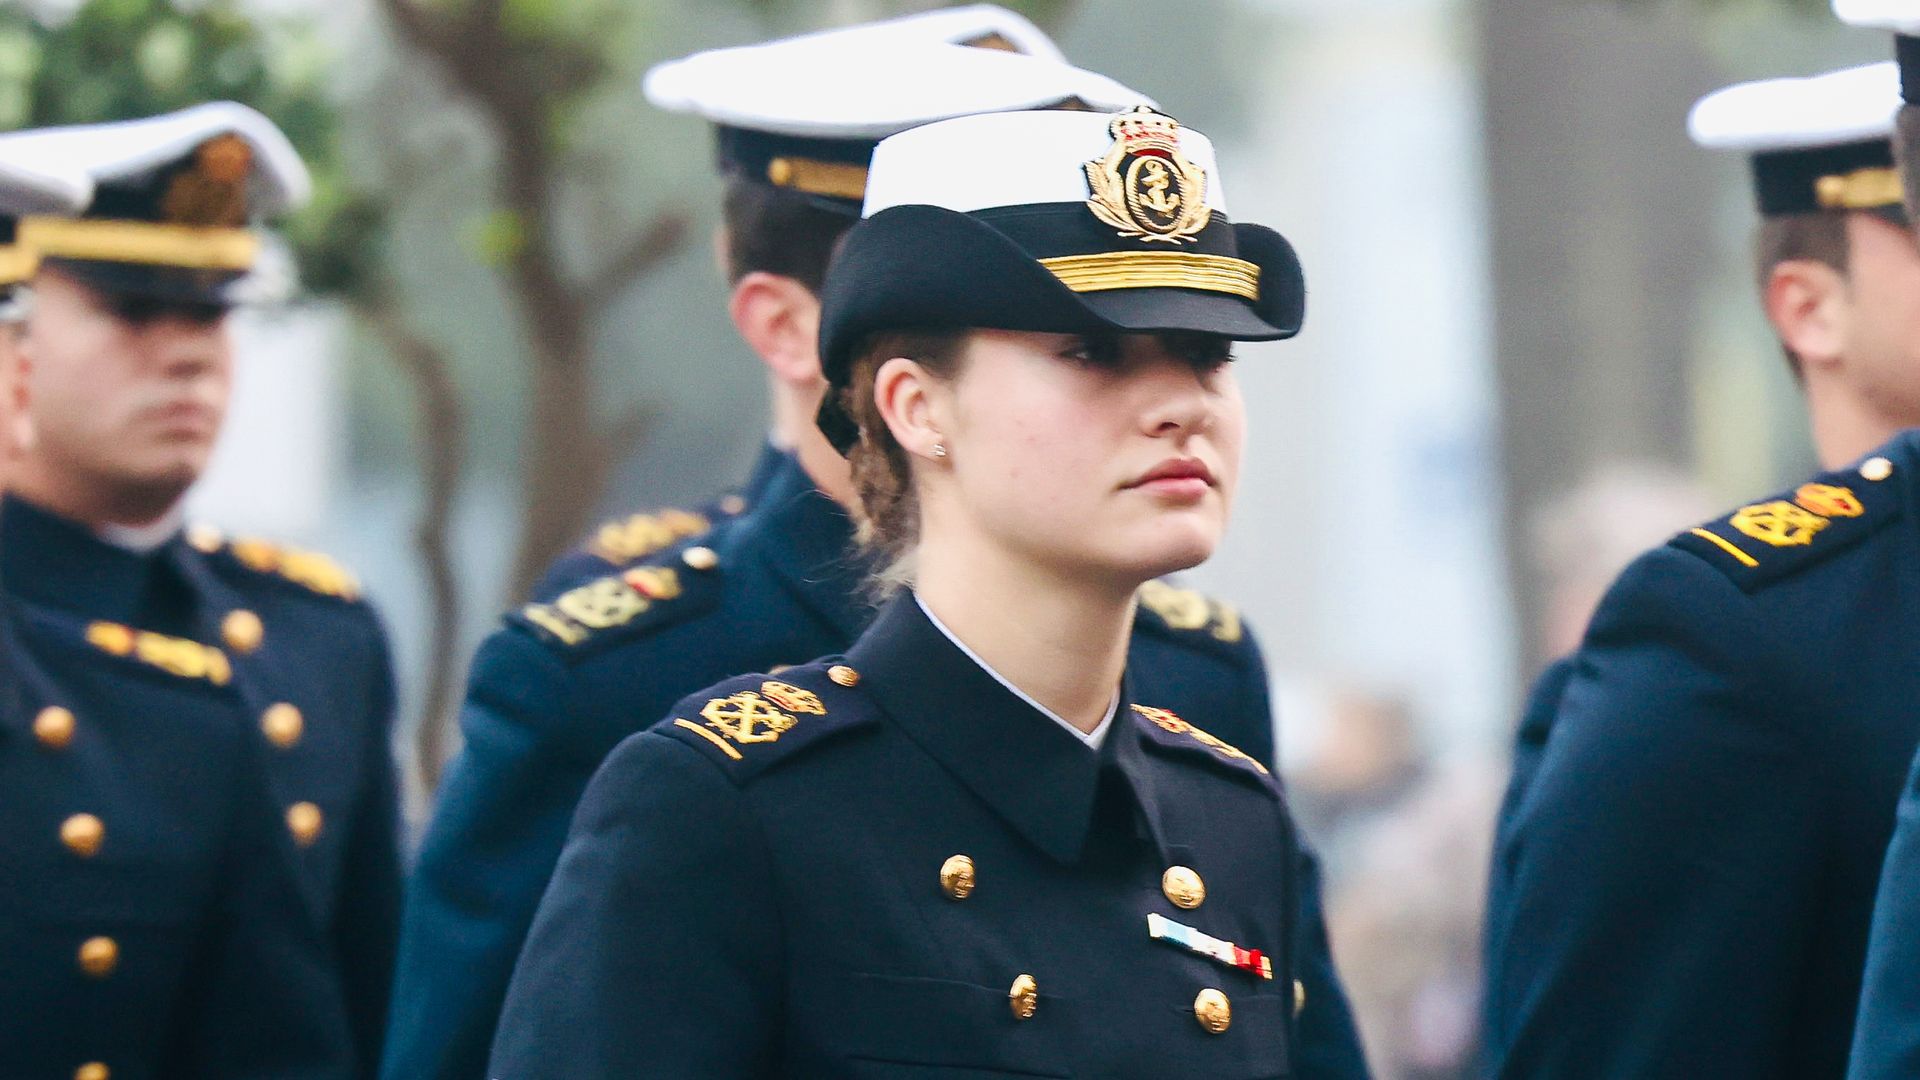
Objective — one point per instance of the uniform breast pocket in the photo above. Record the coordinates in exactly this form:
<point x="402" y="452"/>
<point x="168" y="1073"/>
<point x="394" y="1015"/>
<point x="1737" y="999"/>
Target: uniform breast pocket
<point x="905" y="1028"/>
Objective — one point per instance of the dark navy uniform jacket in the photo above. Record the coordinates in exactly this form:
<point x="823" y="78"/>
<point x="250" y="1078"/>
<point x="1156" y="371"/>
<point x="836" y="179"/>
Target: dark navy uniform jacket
<point x="1886" y="1038"/>
<point x="310" y="666"/>
<point x="623" y="542"/>
<point x="1685" y="884"/>
<point x="767" y="884"/>
<point x="151" y="915"/>
<point x="564" y="682"/>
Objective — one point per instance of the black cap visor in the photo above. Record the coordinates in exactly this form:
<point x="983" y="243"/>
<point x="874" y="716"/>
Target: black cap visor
<point x="162" y="285"/>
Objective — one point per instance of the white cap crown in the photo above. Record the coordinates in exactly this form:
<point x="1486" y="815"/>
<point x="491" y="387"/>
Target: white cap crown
<point x="1852" y="105"/>
<point x="1008" y="159"/>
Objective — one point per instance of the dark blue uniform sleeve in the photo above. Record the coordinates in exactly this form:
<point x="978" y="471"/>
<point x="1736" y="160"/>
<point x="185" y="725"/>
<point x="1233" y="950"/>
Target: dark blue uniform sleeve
<point x="657" y="951"/>
<point x="496" y="834"/>
<point x="1327" y="1042"/>
<point x="1886" y="1041"/>
<point x="367" y="932"/>
<point x="1653" y="901"/>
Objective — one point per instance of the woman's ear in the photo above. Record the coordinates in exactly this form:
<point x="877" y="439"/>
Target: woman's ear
<point x="911" y="400"/>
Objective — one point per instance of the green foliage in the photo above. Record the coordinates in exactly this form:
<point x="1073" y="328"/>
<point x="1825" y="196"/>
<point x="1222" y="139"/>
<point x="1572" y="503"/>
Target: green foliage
<point x="122" y="59"/>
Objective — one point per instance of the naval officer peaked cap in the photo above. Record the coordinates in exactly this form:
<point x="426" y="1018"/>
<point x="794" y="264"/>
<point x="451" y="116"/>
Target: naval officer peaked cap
<point x="1815" y="144"/>
<point x="173" y="199"/>
<point x="805" y="113"/>
<point x="26" y="190"/>
<point x="1060" y="222"/>
<point x="1903" y="18"/>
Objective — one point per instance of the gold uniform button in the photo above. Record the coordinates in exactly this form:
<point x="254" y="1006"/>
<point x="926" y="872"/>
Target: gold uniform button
<point x="844" y="675"/>
<point x="1211" y="1008"/>
<point x="1299" y="996"/>
<point x="1876" y="468"/>
<point x="700" y="558"/>
<point x="733" y="504"/>
<point x="956" y="877"/>
<point x="92" y="1070"/>
<point x="304" y="821"/>
<point x="242" y="630"/>
<point x="83" y="835"/>
<point x="205" y="538"/>
<point x="54" y="727"/>
<point x="1024" y="997"/>
<point x="1183" y="887"/>
<point x="283" y="725"/>
<point x="99" y="956"/>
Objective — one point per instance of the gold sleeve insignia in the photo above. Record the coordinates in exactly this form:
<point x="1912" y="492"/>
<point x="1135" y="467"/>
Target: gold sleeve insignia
<point x="176" y="656"/>
<point x="604" y="603"/>
<point x="1165" y="720"/>
<point x="641" y="535"/>
<point x="1184" y="609"/>
<point x="749" y="718"/>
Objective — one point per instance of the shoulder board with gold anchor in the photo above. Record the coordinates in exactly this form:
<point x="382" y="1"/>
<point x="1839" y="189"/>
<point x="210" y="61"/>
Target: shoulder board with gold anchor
<point x="175" y="656"/>
<point x="1189" y="615"/>
<point x="310" y="570"/>
<point x="636" y="536"/>
<point x="1167" y="730"/>
<point x="749" y="724"/>
<point x="1765" y="541"/>
<point x="623" y="605"/>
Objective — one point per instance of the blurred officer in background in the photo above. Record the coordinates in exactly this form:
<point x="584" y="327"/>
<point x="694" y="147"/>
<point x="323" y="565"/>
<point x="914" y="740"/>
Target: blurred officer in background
<point x="150" y="911"/>
<point x="1886" y="1043"/>
<point x="1682" y="887"/>
<point x="129" y="371"/>
<point x="553" y="692"/>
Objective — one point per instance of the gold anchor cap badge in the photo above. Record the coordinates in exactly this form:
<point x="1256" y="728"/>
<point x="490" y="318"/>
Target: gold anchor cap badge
<point x="1145" y="187"/>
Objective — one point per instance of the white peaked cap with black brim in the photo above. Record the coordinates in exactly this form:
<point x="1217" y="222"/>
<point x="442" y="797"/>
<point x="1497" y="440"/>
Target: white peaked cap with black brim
<point x="1815" y="144"/>
<point x="805" y="113"/>
<point x="128" y="151"/>
<point x="1051" y="222"/>
<point x="174" y="201"/>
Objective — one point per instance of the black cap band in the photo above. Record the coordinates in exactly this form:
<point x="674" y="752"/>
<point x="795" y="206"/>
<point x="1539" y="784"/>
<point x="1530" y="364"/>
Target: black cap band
<point x="1856" y="176"/>
<point x="1907" y="50"/>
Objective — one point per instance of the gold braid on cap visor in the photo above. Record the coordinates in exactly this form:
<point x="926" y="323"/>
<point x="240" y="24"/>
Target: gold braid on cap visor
<point x="1864" y="189"/>
<point x="17" y="264"/>
<point x="832" y="178"/>
<point x="190" y="247"/>
<point x="1106" y="270"/>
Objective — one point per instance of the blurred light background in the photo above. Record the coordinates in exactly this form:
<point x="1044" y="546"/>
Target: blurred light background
<point x="1533" y="347"/>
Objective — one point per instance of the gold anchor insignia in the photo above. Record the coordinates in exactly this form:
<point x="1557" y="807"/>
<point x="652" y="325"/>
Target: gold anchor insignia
<point x="1828" y="500"/>
<point x="793" y="698"/>
<point x="742" y="716"/>
<point x="1145" y="187"/>
<point x="1779" y="523"/>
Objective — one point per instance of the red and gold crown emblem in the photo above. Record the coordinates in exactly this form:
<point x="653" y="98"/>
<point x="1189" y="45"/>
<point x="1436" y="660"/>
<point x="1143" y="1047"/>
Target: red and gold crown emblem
<point x="1145" y="187"/>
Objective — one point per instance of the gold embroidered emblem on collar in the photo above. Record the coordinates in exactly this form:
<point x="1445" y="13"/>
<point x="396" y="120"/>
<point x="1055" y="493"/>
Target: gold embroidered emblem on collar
<point x="746" y="717"/>
<point x="1828" y="500"/>
<point x="1165" y="720"/>
<point x="1145" y="187"/>
<point x="793" y="698"/>
<point x="1779" y="523"/>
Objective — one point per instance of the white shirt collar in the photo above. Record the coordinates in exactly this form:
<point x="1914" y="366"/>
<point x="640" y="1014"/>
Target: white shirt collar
<point x="1092" y="738"/>
<point x="141" y="539"/>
